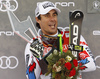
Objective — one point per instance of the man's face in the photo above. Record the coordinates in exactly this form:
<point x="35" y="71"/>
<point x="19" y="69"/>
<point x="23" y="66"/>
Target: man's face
<point x="48" y="23"/>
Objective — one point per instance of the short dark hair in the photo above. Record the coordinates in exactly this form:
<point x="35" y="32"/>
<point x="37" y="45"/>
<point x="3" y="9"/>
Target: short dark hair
<point x="37" y="24"/>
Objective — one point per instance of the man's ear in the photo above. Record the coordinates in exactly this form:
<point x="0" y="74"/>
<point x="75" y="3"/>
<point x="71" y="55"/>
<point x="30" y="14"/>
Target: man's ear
<point x="37" y="20"/>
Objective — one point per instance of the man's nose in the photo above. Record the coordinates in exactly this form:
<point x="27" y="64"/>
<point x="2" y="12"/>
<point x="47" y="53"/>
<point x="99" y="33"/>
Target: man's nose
<point x="52" y="18"/>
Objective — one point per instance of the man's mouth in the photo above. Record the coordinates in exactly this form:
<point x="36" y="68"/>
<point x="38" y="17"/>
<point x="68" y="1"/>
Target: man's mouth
<point x="52" y="26"/>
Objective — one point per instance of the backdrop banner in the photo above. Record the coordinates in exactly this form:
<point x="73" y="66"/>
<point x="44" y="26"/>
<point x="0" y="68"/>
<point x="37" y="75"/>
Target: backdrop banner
<point x="12" y="47"/>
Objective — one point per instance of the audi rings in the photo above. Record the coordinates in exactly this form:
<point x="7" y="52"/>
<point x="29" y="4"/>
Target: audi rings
<point x="11" y="5"/>
<point x="8" y="62"/>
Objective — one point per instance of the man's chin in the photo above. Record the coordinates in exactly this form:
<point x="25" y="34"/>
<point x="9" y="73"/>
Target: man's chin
<point x="53" y="32"/>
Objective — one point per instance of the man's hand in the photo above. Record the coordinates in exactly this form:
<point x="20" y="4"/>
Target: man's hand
<point x="37" y="48"/>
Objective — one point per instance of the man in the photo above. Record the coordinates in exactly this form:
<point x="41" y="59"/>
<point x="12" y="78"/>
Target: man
<point x="46" y="17"/>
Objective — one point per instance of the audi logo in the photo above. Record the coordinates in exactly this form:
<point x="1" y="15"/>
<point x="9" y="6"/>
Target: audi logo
<point x="6" y="62"/>
<point x="11" y="5"/>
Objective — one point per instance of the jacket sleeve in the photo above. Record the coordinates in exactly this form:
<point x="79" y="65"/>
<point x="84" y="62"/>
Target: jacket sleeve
<point x="86" y="57"/>
<point x="33" y="70"/>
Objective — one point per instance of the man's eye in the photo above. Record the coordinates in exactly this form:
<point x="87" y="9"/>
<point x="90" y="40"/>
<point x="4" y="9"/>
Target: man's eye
<point x="55" y="15"/>
<point x="46" y="15"/>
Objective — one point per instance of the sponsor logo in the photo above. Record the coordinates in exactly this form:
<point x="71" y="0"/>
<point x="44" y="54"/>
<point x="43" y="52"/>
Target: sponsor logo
<point x="47" y="5"/>
<point x="75" y="33"/>
<point x="7" y="33"/>
<point x="74" y="41"/>
<point x="10" y="5"/>
<point x="96" y="4"/>
<point x="96" y="32"/>
<point x="63" y="4"/>
<point x="7" y="62"/>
